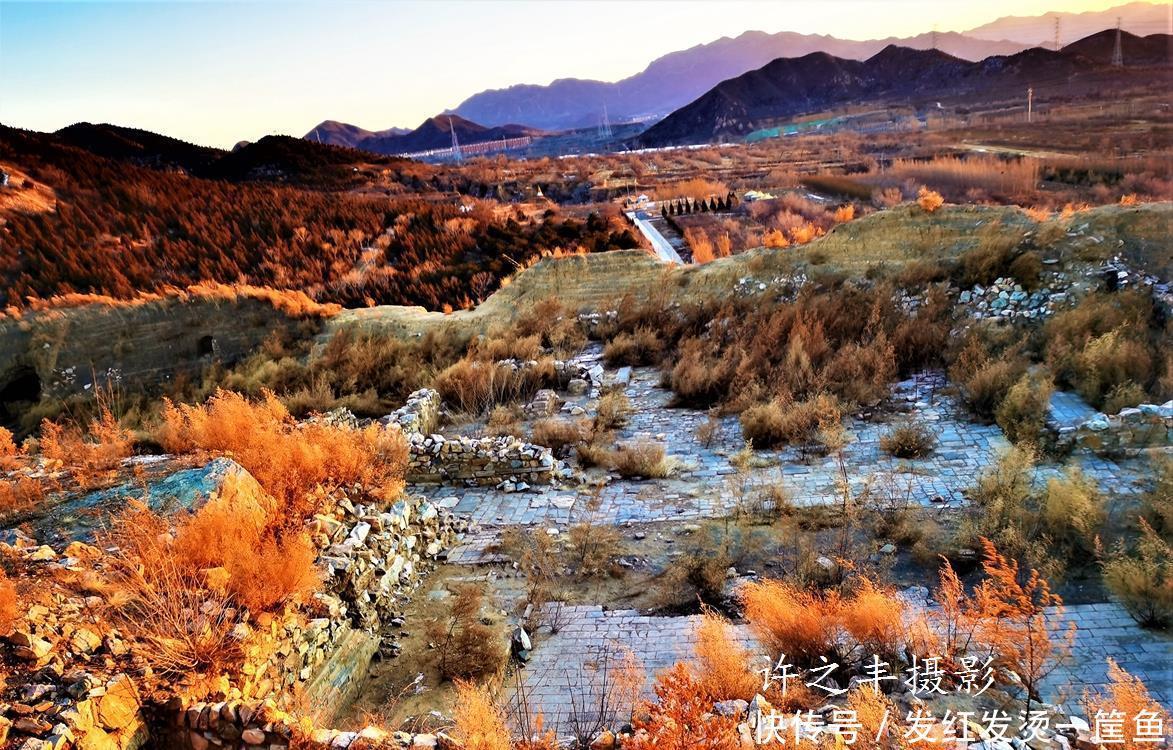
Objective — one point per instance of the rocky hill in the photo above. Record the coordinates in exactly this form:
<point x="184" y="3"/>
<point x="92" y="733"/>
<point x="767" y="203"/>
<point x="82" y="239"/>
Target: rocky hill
<point x="895" y="76"/>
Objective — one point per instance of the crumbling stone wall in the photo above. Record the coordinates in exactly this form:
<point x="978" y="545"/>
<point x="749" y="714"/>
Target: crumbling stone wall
<point x="1135" y="429"/>
<point x="503" y="461"/>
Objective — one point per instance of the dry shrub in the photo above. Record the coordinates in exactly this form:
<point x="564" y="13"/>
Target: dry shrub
<point x="479" y="723"/>
<point x="20" y="493"/>
<point x="1022" y="414"/>
<point x="779" y="422"/>
<point x="593" y="548"/>
<point x="503" y="421"/>
<point x="182" y="625"/>
<point x="699" y="378"/>
<point x="878" y="717"/>
<point x="875" y="620"/>
<point x="90" y="454"/>
<point x="230" y="532"/>
<point x="294" y="463"/>
<point x="788" y="620"/>
<point x="1123" y="396"/>
<point x="9" y="606"/>
<point x="593" y="452"/>
<point x="466" y="646"/>
<point x="724" y="663"/>
<point x="910" y="439"/>
<point x="642" y="458"/>
<point x="681" y="717"/>
<point x="613" y="411"/>
<point x="985" y="373"/>
<point x="558" y="434"/>
<point x="1104" y="342"/>
<point x="1143" y="581"/>
<point x="1026" y="270"/>
<point x="1072" y="509"/>
<point x="1157" y="503"/>
<point x="474" y="386"/>
<point x="1128" y="695"/>
<point x="643" y="346"/>
<point x="991" y="258"/>
<point x="844" y="213"/>
<point x="708" y="431"/>
<point x="9" y="451"/>
<point x="929" y="200"/>
<point x="1109" y="361"/>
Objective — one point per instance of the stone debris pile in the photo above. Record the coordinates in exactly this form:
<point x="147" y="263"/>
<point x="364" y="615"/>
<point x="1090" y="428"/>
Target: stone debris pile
<point x="373" y="556"/>
<point x="1132" y="430"/>
<point x="1005" y="298"/>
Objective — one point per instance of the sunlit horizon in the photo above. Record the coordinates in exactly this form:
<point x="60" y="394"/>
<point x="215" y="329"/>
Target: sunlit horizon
<point x="217" y="73"/>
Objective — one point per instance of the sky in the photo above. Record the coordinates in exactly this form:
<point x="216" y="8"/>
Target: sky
<point x="216" y="73"/>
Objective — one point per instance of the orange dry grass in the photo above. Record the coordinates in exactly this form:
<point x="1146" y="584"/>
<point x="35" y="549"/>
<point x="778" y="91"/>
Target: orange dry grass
<point x="262" y="569"/>
<point x="790" y="621"/>
<point x="724" y="664"/>
<point x="1129" y="696"/>
<point x="875" y="620"/>
<point x="479" y="721"/>
<point x="20" y="493"/>
<point x="293" y="463"/>
<point x="296" y="304"/>
<point x="877" y="716"/>
<point x="90" y="454"/>
<point x="681" y="717"/>
<point x="9" y="608"/>
<point x="9" y="451"/>
<point x="929" y="200"/>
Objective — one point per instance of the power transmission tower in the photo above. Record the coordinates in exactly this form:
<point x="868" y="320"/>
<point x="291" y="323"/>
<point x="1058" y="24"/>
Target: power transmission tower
<point x="455" y="143"/>
<point x="1118" y="52"/>
<point x="605" y="125"/>
<point x="1030" y="104"/>
<point x="1057" y="33"/>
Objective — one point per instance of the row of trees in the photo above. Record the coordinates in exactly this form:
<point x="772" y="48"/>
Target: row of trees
<point x="686" y="206"/>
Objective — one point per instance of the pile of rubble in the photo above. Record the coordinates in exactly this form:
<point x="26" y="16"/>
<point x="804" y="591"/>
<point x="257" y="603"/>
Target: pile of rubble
<point x="1006" y="298"/>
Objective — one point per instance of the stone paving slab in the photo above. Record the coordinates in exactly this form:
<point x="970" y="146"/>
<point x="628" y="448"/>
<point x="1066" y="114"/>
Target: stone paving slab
<point x="564" y="661"/>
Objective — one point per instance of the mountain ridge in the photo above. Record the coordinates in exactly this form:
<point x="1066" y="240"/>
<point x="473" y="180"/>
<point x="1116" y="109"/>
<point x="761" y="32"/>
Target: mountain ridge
<point x="787" y="87"/>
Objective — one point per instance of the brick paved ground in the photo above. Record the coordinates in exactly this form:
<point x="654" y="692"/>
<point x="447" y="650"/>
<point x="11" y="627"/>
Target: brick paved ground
<point x="566" y="661"/>
<point x="707" y="486"/>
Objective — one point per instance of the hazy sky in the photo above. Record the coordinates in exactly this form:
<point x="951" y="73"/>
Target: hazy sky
<point x="219" y="72"/>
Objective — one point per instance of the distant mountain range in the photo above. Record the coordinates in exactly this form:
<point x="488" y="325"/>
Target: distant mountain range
<point x="1139" y="18"/>
<point x="897" y="75"/>
<point x="675" y="79"/>
<point x="433" y="133"/>
<point x="678" y="78"/>
<point x="344" y="134"/>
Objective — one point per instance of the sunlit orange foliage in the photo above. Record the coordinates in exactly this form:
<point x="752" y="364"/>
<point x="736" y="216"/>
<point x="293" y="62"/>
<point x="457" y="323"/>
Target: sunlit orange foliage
<point x="681" y="717"/>
<point x="1128" y="695"/>
<point x="88" y="454"/>
<point x="878" y="719"/>
<point x="929" y="200"/>
<point x="956" y="620"/>
<point x="791" y="621"/>
<point x="20" y="493"/>
<point x="1012" y="619"/>
<point x="724" y="246"/>
<point x="9" y="450"/>
<point x="724" y="667"/>
<point x="230" y="532"/>
<point x="293" y="463"/>
<point x="9" y="608"/>
<point x="700" y="244"/>
<point x="844" y="213"/>
<point x="697" y="188"/>
<point x="1128" y="200"/>
<point x="805" y="232"/>
<point x="479" y="721"/>
<point x="875" y="619"/>
<point x="775" y="238"/>
<point x="1038" y="213"/>
<point x="294" y="303"/>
